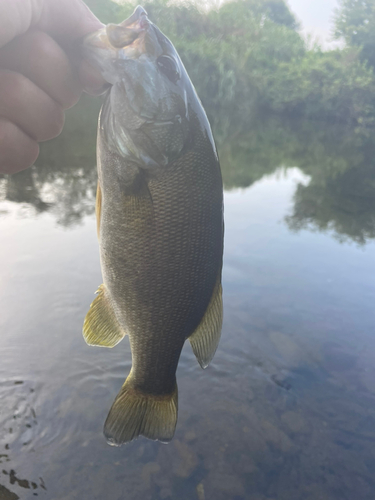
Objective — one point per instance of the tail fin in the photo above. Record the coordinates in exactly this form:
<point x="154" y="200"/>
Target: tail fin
<point x="135" y="413"/>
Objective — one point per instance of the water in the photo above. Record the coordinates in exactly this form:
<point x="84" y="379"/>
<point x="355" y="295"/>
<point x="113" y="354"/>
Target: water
<point x="285" y="411"/>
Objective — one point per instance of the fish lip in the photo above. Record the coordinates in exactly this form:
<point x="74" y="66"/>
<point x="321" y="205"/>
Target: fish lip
<point x="120" y="37"/>
<point x="139" y="15"/>
<point x="137" y="23"/>
<point x="97" y="39"/>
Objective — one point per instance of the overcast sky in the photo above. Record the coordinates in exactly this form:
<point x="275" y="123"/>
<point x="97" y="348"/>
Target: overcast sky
<point x="315" y="17"/>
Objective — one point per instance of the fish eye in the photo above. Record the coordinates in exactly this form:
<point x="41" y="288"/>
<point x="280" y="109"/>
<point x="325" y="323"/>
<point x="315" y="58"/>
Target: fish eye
<point x="168" y="66"/>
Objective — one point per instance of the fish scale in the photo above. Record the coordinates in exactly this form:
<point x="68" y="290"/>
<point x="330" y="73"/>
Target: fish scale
<point x="160" y="224"/>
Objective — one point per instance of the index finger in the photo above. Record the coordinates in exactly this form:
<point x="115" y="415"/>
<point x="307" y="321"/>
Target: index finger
<point x="66" y="20"/>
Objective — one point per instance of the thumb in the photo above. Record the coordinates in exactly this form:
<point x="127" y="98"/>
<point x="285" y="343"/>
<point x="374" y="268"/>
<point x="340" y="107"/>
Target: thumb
<point x="64" y="20"/>
<point x="67" y="20"/>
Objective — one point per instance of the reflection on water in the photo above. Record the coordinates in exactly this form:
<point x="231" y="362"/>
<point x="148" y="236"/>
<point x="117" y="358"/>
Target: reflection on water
<point x="18" y="432"/>
<point x="64" y="180"/>
<point x="344" y="206"/>
<point x="339" y="196"/>
<point x="286" y="410"/>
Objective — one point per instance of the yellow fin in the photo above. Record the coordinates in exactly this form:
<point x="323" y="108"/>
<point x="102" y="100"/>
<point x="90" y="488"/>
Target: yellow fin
<point x="135" y="413"/>
<point x="98" y="207"/>
<point x="205" y="339"/>
<point x="101" y="327"/>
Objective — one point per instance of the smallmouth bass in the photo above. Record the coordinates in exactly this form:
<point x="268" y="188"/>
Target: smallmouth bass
<point x="159" y="214"/>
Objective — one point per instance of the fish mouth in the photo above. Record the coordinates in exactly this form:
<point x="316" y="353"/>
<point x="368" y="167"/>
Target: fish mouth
<point x="115" y="37"/>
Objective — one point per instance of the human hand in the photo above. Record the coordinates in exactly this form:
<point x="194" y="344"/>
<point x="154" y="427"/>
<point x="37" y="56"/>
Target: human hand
<point x="40" y="75"/>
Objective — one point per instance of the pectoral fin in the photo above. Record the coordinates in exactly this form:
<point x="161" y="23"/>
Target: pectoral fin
<point x="101" y="327"/>
<point x="205" y="339"/>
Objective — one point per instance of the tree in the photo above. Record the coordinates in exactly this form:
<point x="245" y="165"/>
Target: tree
<point x="355" y="22"/>
<point x="279" y="13"/>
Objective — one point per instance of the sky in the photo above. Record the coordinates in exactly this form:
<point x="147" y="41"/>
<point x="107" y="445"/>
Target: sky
<point x="315" y="17"/>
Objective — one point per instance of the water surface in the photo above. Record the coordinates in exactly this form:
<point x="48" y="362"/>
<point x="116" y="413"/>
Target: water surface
<point x="286" y="410"/>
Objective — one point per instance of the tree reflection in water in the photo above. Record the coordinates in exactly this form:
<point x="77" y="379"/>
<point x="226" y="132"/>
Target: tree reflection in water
<point x="339" y="198"/>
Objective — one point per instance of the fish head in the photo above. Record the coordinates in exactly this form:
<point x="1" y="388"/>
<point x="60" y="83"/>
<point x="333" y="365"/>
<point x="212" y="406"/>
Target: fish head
<point x="151" y="92"/>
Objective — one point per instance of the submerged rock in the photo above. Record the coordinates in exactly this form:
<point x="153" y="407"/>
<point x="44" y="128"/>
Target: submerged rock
<point x="295" y="422"/>
<point x="200" y="491"/>
<point x="276" y="437"/>
<point x="148" y="470"/>
<point x="287" y="348"/>
<point x="187" y="461"/>
<point x="6" y="494"/>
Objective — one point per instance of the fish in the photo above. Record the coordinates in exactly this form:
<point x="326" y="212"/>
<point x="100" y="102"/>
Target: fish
<point x="159" y="210"/>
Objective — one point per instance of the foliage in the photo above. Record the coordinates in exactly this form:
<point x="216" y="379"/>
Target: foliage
<point x="108" y="11"/>
<point x="271" y="101"/>
<point x="228" y="52"/>
<point x="333" y="86"/>
<point x="246" y="58"/>
<point x="355" y="22"/>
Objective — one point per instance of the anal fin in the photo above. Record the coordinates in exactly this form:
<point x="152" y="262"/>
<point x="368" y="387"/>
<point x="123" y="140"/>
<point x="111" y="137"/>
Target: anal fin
<point x="205" y="339"/>
<point x="101" y="327"/>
